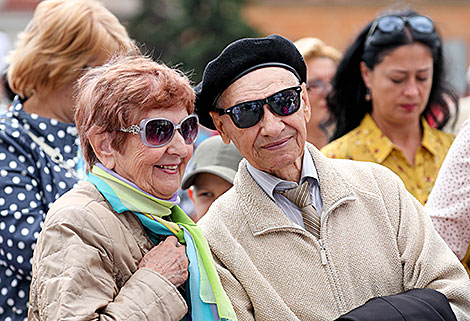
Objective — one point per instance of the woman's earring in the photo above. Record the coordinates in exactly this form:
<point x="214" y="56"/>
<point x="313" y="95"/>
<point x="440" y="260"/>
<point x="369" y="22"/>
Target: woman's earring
<point x="368" y="96"/>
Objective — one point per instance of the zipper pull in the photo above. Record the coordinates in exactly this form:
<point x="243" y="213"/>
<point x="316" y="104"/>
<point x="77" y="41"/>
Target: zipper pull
<point x="324" y="260"/>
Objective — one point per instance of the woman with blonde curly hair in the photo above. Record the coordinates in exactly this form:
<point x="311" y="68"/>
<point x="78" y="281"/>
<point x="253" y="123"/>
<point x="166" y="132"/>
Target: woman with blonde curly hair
<point x="321" y="60"/>
<point x="38" y="138"/>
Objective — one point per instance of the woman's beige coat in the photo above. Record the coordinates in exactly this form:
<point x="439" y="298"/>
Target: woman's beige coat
<point x="85" y="265"/>
<point x="376" y="240"/>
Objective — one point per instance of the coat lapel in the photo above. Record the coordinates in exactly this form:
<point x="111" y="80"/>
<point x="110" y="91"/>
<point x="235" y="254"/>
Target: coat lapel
<point x="334" y="189"/>
<point x="265" y="216"/>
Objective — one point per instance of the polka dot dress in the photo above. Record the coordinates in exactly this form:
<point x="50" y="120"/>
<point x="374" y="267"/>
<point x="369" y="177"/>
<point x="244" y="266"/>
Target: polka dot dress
<point x="449" y="201"/>
<point x="29" y="183"/>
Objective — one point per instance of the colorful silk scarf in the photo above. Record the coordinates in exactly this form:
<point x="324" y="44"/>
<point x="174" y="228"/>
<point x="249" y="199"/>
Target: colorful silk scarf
<point x="207" y="299"/>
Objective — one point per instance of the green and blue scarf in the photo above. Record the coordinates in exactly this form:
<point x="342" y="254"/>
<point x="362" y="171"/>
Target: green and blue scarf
<point x="206" y="298"/>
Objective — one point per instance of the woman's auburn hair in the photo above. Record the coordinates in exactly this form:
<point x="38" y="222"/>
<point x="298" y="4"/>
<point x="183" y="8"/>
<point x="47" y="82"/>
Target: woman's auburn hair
<point x="120" y="93"/>
<point x="347" y="102"/>
<point x="59" y="41"/>
<point x="315" y="48"/>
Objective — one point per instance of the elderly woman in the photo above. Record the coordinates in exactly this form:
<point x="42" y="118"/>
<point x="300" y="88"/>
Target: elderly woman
<point x="322" y="61"/>
<point x="38" y="139"/>
<point x="390" y="81"/>
<point x="110" y="249"/>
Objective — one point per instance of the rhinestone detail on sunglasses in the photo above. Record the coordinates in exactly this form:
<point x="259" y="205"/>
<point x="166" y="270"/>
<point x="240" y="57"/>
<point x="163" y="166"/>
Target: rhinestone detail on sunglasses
<point x="133" y="129"/>
<point x="392" y="23"/>
<point x="249" y="113"/>
<point x="164" y="130"/>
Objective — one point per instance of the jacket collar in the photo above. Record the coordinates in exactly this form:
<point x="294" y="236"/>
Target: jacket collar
<point x="265" y="216"/>
<point x="128" y="219"/>
<point x="432" y="142"/>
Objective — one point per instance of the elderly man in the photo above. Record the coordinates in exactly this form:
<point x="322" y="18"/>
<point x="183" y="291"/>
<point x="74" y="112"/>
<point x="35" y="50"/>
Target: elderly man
<point x="301" y="236"/>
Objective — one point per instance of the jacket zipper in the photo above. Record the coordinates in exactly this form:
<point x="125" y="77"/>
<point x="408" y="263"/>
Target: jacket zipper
<point x="324" y="259"/>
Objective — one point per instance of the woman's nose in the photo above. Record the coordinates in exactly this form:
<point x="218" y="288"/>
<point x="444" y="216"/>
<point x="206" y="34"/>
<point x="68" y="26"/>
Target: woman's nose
<point x="177" y="146"/>
<point x="411" y="88"/>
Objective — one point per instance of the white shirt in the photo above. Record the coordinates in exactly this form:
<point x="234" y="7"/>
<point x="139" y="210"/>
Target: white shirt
<point x="449" y="201"/>
<point x="269" y="183"/>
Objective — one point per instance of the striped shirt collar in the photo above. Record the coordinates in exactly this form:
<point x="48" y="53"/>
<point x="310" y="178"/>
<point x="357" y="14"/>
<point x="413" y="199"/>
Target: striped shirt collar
<point x="269" y="183"/>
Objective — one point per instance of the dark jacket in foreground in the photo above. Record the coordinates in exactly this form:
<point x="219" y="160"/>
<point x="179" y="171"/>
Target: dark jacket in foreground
<point x="413" y="305"/>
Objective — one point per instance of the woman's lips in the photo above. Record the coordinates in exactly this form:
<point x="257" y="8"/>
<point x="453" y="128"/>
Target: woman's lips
<point x="409" y="107"/>
<point x="168" y="168"/>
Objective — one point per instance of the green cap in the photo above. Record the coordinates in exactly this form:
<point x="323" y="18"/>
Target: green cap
<point x="213" y="156"/>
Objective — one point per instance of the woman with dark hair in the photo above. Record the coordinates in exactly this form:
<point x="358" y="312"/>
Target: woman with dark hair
<point x="390" y="80"/>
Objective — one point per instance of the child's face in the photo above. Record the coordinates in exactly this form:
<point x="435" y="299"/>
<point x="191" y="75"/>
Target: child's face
<point x="206" y="189"/>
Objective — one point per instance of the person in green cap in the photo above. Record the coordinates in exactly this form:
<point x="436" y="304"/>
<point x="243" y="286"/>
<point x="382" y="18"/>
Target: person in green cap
<point x="213" y="168"/>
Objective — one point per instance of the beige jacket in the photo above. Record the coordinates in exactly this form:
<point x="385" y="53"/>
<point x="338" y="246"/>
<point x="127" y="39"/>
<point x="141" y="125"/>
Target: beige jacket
<point x="85" y="265"/>
<point x="376" y="240"/>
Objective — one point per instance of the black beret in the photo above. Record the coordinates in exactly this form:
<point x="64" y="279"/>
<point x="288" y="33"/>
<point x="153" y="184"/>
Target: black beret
<point x="239" y="58"/>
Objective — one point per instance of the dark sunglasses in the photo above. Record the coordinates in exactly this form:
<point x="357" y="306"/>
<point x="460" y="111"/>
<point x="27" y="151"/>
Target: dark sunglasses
<point x="391" y="24"/>
<point x="249" y="113"/>
<point x="157" y="132"/>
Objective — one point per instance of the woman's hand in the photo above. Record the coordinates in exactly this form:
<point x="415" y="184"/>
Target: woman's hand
<point x="169" y="259"/>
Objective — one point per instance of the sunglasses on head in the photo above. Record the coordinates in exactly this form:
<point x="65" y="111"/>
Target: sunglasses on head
<point x="157" y="132"/>
<point x="249" y="113"/>
<point x="391" y="24"/>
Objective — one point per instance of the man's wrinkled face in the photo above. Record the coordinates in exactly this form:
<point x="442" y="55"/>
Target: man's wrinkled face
<point x="276" y="143"/>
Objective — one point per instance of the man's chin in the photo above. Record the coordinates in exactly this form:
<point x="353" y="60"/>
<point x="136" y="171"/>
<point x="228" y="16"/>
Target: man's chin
<point x="282" y="162"/>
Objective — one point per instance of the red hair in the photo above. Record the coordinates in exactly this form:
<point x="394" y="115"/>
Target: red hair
<point x="118" y="94"/>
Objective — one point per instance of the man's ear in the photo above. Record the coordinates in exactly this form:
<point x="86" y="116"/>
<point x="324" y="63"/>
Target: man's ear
<point x="366" y="74"/>
<point x="219" y="125"/>
<point x="307" y="107"/>
<point x="101" y="144"/>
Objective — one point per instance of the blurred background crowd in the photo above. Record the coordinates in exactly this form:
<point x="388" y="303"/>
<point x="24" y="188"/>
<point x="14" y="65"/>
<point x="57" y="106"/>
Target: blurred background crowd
<point x="343" y="45"/>
<point x="189" y="33"/>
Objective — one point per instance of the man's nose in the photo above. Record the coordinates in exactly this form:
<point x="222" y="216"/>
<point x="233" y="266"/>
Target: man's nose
<point x="271" y="124"/>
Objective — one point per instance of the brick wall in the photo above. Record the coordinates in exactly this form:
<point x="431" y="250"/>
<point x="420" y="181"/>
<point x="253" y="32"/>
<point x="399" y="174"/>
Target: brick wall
<point x="338" y="23"/>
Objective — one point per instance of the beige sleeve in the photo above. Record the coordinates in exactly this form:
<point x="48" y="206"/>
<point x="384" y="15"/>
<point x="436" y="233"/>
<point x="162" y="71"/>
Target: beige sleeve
<point x="74" y="277"/>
